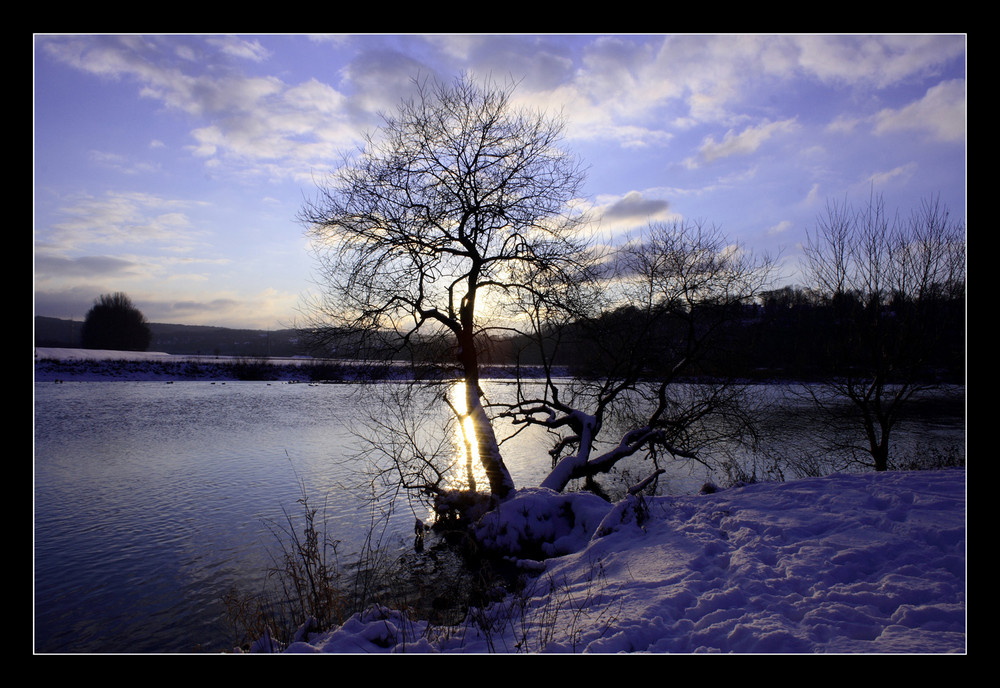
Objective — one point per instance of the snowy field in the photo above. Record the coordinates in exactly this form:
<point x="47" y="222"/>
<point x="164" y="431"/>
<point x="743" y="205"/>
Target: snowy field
<point x="57" y="354"/>
<point x="80" y="365"/>
<point x="872" y="563"/>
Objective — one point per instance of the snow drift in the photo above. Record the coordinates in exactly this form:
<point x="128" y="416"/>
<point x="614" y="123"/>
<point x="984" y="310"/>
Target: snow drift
<point x="871" y="563"/>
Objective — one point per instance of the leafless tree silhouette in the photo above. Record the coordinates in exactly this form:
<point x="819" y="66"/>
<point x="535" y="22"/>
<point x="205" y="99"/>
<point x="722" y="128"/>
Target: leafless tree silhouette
<point x="894" y="284"/>
<point x="460" y="197"/>
<point x="657" y="317"/>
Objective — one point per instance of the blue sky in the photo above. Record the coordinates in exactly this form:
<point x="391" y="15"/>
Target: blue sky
<point x="171" y="167"/>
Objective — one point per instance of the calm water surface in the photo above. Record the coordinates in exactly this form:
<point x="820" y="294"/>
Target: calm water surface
<point x="152" y="501"/>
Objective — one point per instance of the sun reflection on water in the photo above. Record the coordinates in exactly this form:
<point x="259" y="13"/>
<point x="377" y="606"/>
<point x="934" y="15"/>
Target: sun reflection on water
<point x="465" y="437"/>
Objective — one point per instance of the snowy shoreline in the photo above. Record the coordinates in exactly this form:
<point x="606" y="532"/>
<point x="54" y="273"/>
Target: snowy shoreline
<point x="870" y="563"/>
<point x="66" y="365"/>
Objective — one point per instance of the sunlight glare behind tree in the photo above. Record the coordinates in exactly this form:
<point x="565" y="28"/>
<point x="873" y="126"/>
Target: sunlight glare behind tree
<point x="459" y="196"/>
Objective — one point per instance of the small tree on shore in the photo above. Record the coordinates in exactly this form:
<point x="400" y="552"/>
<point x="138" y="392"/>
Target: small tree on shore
<point x="115" y="323"/>
<point x="894" y="288"/>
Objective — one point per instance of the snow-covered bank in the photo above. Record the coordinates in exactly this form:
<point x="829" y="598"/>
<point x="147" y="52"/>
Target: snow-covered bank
<point x="872" y="563"/>
<point x="81" y="365"/>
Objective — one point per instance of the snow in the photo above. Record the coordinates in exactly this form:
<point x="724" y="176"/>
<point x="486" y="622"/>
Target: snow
<point x="57" y="354"/>
<point x="553" y="522"/>
<point x="79" y="365"/>
<point x="82" y="365"/>
<point x="869" y="563"/>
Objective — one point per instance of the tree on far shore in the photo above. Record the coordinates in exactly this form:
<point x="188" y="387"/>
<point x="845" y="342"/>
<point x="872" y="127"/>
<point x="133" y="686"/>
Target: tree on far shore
<point x="895" y="289"/>
<point x="115" y="323"/>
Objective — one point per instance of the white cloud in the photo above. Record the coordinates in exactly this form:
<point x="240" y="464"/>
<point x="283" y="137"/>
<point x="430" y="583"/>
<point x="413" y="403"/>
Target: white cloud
<point x="813" y="196"/>
<point x="121" y="163"/>
<point x="252" y="121"/>
<point x="637" y="90"/>
<point x="779" y="228"/>
<point x="209" y="139"/>
<point x="744" y="142"/>
<point x="843" y="124"/>
<point x="313" y="96"/>
<point x="876" y="61"/>
<point x="882" y="179"/>
<point x="119" y="219"/>
<point x="940" y="114"/>
<point x="242" y="48"/>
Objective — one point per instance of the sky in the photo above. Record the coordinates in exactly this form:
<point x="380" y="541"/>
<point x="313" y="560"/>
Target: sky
<point x="173" y="167"/>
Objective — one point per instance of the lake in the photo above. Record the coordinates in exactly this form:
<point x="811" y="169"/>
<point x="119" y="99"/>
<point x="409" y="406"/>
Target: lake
<point x="153" y="499"/>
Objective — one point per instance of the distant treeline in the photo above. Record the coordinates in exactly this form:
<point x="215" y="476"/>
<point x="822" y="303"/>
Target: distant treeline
<point x="800" y="334"/>
<point x="790" y="333"/>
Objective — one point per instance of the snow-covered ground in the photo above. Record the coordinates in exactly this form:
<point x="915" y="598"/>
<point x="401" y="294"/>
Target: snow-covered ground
<point x="872" y="563"/>
<point x="57" y="354"/>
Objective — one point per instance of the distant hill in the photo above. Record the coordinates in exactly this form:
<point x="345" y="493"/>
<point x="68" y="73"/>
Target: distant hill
<point x="184" y="339"/>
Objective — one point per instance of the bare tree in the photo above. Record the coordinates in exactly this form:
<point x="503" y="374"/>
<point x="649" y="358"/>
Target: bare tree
<point x="894" y="287"/>
<point x="660" y="317"/>
<point x="458" y="199"/>
<point x="651" y="335"/>
<point x="461" y="201"/>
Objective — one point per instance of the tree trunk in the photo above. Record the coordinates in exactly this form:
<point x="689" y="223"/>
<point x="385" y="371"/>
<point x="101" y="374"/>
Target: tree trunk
<point x="880" y="453"/>
<point x="501" y="483"/>
<point x="878" y="438"/>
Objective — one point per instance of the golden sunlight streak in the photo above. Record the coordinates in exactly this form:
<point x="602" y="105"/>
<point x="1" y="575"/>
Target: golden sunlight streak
<point x="472" y="474"/>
